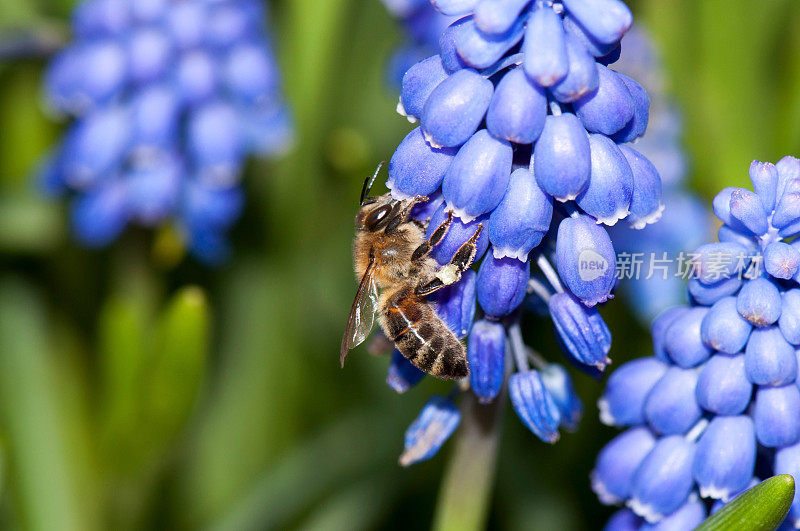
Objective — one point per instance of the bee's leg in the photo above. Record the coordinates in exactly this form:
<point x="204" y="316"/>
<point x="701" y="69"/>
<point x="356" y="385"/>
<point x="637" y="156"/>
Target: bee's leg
<point x="438" y="235"/>
<point x="451" y="273"/>
<point x="402" y="216"/>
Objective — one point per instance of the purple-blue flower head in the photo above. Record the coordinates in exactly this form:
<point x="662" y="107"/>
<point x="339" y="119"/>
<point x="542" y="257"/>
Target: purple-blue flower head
<point x="166" y="97"/>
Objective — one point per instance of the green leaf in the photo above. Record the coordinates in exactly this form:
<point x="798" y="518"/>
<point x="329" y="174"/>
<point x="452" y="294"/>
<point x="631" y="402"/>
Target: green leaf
<point x="761" y="508"/>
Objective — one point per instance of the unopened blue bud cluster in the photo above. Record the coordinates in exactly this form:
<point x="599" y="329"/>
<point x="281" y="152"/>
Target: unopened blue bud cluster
<point x="169" y="97"/>
<point x="525" y="131"/>
<point x="717" y="407"/>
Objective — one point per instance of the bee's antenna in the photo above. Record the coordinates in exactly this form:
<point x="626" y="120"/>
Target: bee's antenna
<point x="369" y="181"/>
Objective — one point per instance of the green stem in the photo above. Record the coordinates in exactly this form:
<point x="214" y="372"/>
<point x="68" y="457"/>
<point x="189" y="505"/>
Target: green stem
<point x="468" y="482"/>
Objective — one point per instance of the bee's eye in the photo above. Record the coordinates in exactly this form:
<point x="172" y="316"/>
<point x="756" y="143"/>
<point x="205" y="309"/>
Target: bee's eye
<point x="377" y="217"/>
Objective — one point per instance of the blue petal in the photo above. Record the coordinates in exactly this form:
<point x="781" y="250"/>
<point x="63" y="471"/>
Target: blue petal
<point x="608" y="196"/>
<point x="558" y="383"/>
<point x="522" y="218"/>
<point x="545" y="48"/>
<point x="517" y="110"/>
<point x="646" y="206"/>
<point x="723" y="329"/>
<point x="777" y="415"/>
<point x="662" y="483"/>
<point x="641" y="112"/>
<point x="486" y="350"/>
<point x="418" y="83"/>
<point x="781" y="260"/>
<point x="455" y="303"/>
<point x="747" y="209"/>
<point x="582" y="77"/>
<point x="402" y="375"/>
<point x="451" y="60"/>
<point x="658" y="329"/>
<point x="617" y="462"/>
<point x="788" y="169"/>
<point x="622" y="403"/>
<point x="607" y="109"/>
<point x="455" y="108"/>
<point x="764" y="177"/>
<point x="430" y="430"/>
<point x="723" y="387"/>
<point x="482" y="50"/>
<point x="502" y="284"/>
<point x="759" y="302"/>
<point x="416" y="168"/>
<point x="605" y="20"/>
<point x="209" y="207"/>
<point x="683" y="341"/>
<point x="534" y="405"/>
<point x="671" y="407"/>
<point x="769" y="359"/>
<point x="725" y="457"/>
<point x="585" y="259"/>
<point x="477" y="179"/>
<point x="582" y="330"/>
<point x="789" y="322"/>
<point x="561" y="157"/>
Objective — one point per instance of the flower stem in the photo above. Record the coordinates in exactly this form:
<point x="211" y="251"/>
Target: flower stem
<point x="466" y="490"/>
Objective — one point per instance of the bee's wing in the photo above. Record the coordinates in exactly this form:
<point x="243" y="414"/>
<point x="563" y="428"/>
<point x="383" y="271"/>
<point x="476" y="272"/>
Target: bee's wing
<point x="362" y="314"/>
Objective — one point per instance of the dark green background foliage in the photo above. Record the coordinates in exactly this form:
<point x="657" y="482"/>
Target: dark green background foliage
<point x="127" y="400"/>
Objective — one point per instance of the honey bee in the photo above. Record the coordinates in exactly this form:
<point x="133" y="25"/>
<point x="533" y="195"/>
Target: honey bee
<point x="391" y="254"/>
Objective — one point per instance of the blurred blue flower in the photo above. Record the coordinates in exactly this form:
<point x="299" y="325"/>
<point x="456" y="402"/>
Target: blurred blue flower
<point x="525" y="129"/>
<point x="168" y="99"/>
<point x="722" y="388"/>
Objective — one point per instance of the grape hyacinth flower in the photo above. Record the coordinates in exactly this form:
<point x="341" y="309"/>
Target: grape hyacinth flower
<point x="717" y="407"/>
<point x="525" y="130"/>
<point x="168" y="99"/>
<point x="685" y="223"/>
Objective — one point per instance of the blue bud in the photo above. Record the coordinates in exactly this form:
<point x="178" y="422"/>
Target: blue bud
<point x="101" y="18"/>
<point x="722" y="209"/>
<point x="716" y="261"/>
<point x="458" y="233"/>
<point x="690" y="515"/>
<point x="186" y="23"/>
<point x="777" y="415"/>
<point x="455" y="304"/>
<point x="416" y="168"/>
<point x="155" y="115"/>
<point x="402" y="375"/>
<point x="498" y="16"/>
<point x="608" y="196"/>
<point x="769" y="359"/>
<point x="502" y="284"/>
<point x="607" y="109"/>
<point x="683" y="341"/>
<point x="534" y="405"/>
<point x="759" y="302"/>
<point x="788" y="169"/>
<point x="746" y="208"/>
<point x="658" y="329"/>
<point x="482" y="50"/>
<point x="671" y="407"/>
<point x="708" y="294"/>
<point x="593" y="46"/>
<point x="418" y="83"/>
<point x="430" y="430"/>
<point x="622" y="403"/>
<point x="451" y="60"/>
<point x="641" y="112"/>
<point x="196" y="77"/>
<point x="517" y="110"/>
<point x="787" y="461"/>
<point x="730" y="235"/>
<point x="617" y="462"/>
<point x="425" y="210"/>
<point x="545" y="47"/>
<point x="100" y="215"/>
<point x="209" y="207"/>
<point x="723" y="329"/>
<point x="101" y="73"/>
<point x="623" y="520"/>
<point x="787" y="214"/>
<point x="215" y="143"/>
<point x="585" y="259"/>
<point x="582" y="330"/>
<point x="646" y="206"/>
<point x="781" y="260"/>
<point x="561" y="157"/>
<point x="764" y="177"/>
<point x="486" y="351"/>
<point x="95" y="146"/>
<point x="725" y="456"/>
<point x="789" y="322"/>
<point x="250" y="74"/>
<point x="154" y="189"/>
<point x="605" y="20"/>
<point x="148" y="10"/>
<point x="662" y="483"/>
<point x="582" y="77"/>
<point x="455" y="108"/>
<point x="454" y="7"/>
<point x="149" y="55"/>
<point x="723" y="387"/>
<point x="477" y="179"/>
<point x="558" y="383"/>
<point x="522" y="218"/>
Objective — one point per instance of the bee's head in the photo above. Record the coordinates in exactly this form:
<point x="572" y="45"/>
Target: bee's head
<point x="376" y="212"/>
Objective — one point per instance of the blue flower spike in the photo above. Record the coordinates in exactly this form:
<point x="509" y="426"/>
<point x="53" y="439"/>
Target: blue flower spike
<point x="167" y="98"/>
<point x="722" y="388"/>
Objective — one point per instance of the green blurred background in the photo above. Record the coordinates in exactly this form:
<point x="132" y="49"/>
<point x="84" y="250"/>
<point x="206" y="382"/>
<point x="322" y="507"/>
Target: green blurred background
<point x="141" y="390"/>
